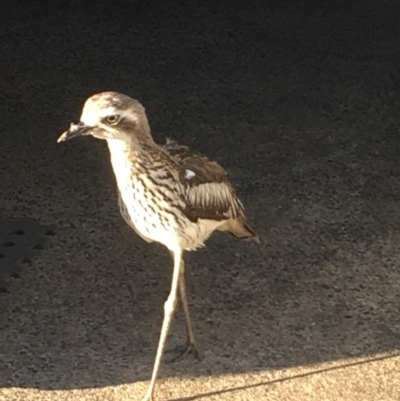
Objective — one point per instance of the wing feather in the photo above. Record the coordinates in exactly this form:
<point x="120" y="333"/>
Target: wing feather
<point x="205" y="186"/>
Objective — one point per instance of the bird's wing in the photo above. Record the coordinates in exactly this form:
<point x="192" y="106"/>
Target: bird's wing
<point x="205" y="186"/>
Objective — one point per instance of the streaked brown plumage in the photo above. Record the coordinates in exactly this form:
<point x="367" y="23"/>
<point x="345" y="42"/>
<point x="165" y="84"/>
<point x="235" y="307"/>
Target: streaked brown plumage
<point x="168" y="194"/>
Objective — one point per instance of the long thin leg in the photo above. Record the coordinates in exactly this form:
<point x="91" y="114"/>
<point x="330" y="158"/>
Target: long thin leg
<point x="169" y="309"/>
<point x="191" y="342"/>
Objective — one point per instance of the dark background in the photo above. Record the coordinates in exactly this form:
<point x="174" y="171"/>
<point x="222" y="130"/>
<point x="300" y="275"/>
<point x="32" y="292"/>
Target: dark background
<point x="299" y="101"/>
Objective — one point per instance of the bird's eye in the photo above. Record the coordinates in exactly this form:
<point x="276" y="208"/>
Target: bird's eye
<point x="113" y="119"/>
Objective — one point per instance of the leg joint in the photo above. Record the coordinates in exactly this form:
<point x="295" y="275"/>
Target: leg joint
<point x="170" y="304"/>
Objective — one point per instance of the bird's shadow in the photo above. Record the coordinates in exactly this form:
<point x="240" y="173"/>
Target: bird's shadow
<point x="310" y="373"/>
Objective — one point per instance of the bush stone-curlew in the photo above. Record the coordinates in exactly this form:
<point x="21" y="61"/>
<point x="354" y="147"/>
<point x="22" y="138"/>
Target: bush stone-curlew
<point x="168" y="194"/>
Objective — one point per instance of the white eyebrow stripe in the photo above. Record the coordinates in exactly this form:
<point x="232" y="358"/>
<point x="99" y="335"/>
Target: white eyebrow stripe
<point x="122" y="113"/>
<point x="93" y="117"/>
<point x="108" y="111"/>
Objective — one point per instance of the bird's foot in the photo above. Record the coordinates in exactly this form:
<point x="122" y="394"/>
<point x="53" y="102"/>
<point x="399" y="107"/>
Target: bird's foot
<point x="183" y="352"/>
<point x="149" y="395"/>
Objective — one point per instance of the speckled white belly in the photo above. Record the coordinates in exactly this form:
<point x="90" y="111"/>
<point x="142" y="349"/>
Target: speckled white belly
<point x="149" y="214"/>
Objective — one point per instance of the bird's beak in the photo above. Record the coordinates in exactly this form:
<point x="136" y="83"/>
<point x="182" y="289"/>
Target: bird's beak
<point x="74" y="130"/>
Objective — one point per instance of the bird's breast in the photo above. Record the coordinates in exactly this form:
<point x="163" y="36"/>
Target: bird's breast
<point x="151" y="202"/>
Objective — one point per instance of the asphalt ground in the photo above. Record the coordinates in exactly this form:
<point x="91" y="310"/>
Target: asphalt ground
<point x="300" y="103"/>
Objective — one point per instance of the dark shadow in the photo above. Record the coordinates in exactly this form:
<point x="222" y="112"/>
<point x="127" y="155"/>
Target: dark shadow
<point x="298" y="103"/>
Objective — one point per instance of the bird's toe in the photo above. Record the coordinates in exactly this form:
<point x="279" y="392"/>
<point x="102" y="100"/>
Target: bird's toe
<point x="183" y="351"/>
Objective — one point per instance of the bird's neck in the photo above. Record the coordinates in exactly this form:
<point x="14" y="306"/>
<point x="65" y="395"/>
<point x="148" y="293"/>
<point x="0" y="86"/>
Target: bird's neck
<point x="123" y="149"/>
<point x="127" y="157"/>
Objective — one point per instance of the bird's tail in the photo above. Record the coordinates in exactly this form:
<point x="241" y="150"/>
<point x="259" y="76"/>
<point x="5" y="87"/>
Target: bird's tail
<point x="240" y="230"/>
<point x="251" y="233"/>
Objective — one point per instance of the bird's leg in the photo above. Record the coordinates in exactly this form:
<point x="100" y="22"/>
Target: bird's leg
<point x="191" y="346"/>
<point x="169" y="309"/>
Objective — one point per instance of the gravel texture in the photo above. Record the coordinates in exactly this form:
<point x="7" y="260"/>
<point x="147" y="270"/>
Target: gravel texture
<point x="300" y="103"/>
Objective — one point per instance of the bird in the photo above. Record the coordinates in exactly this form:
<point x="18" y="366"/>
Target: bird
<point x="167" y="193"/>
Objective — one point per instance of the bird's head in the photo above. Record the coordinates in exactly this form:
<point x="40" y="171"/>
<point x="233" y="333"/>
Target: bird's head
<point x="111" y="116"/>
